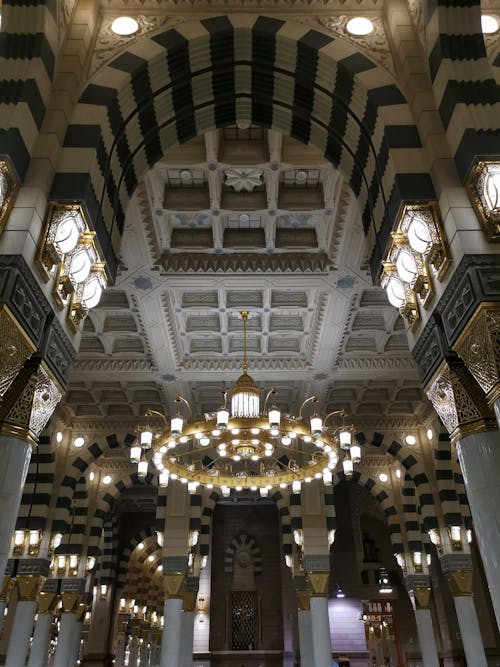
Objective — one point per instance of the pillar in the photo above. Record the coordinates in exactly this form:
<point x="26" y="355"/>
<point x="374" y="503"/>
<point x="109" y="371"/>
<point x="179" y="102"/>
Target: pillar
<point x="305" y="628"/>
<point x="144" y="653"/>
<point x="189" y="596"/>
<point x="15" y="454"/>
<point x="69" y="630"/>
<point x="8" y="584"/>
<point x="29" y="586"/>
<point x="419" y="589"/>
<point x="463" y="408"/>
<point x="121" y="641"/>
<point x="320" y="621"/>
<point x="457" y="569"/>
<point x="133" y="651"/>
<point x="41" y="637"/>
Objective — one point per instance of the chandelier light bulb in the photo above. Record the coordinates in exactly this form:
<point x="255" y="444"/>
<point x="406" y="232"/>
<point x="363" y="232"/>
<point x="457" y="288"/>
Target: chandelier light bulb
<point x="163" y="479"/>
<point x="489" y="24"/>
<point x="146" y="439"/>
<point x="135" y="454"/>
<point x="274" y="417"/>
<point x="296" y="486"/>
<point x="204" y="441"/>
<point x="142" y="469"/>
<point x="316" y="425"/>
<point x="225" y="490"/>
<point x="176" y="424"/>
<point x="345" y="439"/>
<point x="355" y="451"/>
<point x="264" y="491"/>
<point x="348" y="468"/>
<point x="222" y="419"/>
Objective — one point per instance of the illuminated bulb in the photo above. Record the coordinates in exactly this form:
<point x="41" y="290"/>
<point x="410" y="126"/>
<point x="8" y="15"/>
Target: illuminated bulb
<point x="253" y="488"/>
<point x="406" y="266"/>
<point x="347" y="467"/>
<point x="67" y="234"/>
<point x="318" y="475"/>
<point x="80" y="265"/>
<point x="57" y="539"/>
<point x="34" y="538"/>
<point x="235" y="431"/>
<point x="140" y="546"/>
<point x="107" y="479"/>
<point x="285" y="440"/>
<point x="124" y="26"/>
<point x="216" y="432"/>
<point x="410" y="440"/>
<point x="238" y="488"/>
<point x="383" y="477"/>
<point x="489" y="24"/>
<point x="59" y="436"/>
<point x="264" y="491"/>
<point x="345" y="439"/>
<point x="307" y="438"/>
<point x="398" y="473"/>
<point x="225" y="491"/>
<point x="254" y="457"/>
<point x="430" y="433"/>
<point x="419" y="236"/>
<point x="274" y="432"/>
<point x="316" y="425"/>
<point x="79" y="442"/>
<point x="327" y="476"/>
<point x="192" y="486"/>
<point x="255" y="431"/>
<point x="222" y="419"/>
<point x="395" y="292"/>
<point x="142" y="469"/>
<point x="236" y="457"/>
<point x="151" y="558"/>
<point x="296" y="486"/>
<point x="268" y="452"/>
<point x="359" y="26"/>
<point x="307" y="480"/>
<point x="355" y="451"/>
<point x="146" y="439"/>
<point x="274" y="417"/>
<point x="91" y="476"/>
<point x="204" y="441"/>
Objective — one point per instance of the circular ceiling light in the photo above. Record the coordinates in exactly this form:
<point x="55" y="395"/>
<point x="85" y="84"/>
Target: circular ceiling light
<point x="59" y="436"/>
<point x="140" y="546"/>
<point x="124" y="26"/>
<point x="107" y="479"/>
<point x="410" y="440"/>
<point x="79" y="442"/>
<point x="489" y="24"/>
<point x="359" y="26"/>
<point x="383" y="477"/>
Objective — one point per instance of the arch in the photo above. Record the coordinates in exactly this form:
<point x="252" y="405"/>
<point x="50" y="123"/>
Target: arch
<point x="243" y="542"/>
<point x="127" y="552"/>
<point x="202" y="75"/>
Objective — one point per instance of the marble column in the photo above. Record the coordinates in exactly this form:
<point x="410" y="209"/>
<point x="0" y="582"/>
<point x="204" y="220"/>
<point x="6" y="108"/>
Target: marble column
<point x="120" y="643"/>
<point x="29" y="586"/>
<point x="419" y="589"/>
<point x="457" y="568"/>
<point x="479" y="456"/>
<point x="65" y="640"/>
<point x="133" y="652"/>
<point x="144" y="653"/>
<point x="320" y="621"/>
<point x="172" y="615"/>
<point x="305" y="628"/>
<point x="187" y="633"/>
<point x="15" y="455"/>
<point x="43" y="627"/>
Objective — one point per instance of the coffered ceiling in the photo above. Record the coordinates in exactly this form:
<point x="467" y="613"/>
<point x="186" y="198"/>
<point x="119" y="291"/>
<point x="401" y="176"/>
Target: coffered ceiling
<point x="243" y="219"/>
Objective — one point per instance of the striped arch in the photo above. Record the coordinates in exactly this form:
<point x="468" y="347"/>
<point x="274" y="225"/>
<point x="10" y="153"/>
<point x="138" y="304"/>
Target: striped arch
<point x="413" y="528"/>
<point x="180" y="83"/>
<point x="105" y="504"/>
<point x="28" y="51"/>
<point x="243" y="543"/>
<point x="108" y="562"/>
<point x="139" y="537"/>
<point x="377" y="490"/>
<point x="414" y="468"/>
<point x="466" y="92"/>
<point x="74" y="526"/>
<point x="448" y="498"/>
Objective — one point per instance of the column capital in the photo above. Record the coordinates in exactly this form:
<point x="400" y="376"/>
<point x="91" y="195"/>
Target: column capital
<point x="70" y="601"/>
<point x="29" y="586"/>
<point x="303" y="600"/>
<point x="419" y="588"/>
<point x="172" y="584"/>
<point x="319" y="583"/>
<point x="7" y="587"/>
<point x="479" y="347"/>
<point x="189" y="600"/>
<point x="47" y="602"/>
<point x="459" y="401"/>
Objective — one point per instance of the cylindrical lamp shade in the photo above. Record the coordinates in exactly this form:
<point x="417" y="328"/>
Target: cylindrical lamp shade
<point x="345" y="439"/>
<point x="222" y="418"/>
<point x="274" y="418"/>
<point x="316" y="425"/>
<point x="347" y="467"/>
<point x="176" y="424"/>
<point x="146" y="439"/>
<point x="163" y="479"/>
<point x="135" y="454"/>
<point x="296" y="486"/>
<point x="355" y="453"/>
<point x="142" y="469"/>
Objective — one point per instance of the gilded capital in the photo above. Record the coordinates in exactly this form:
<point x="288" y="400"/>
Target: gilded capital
<point x="172" y="584"/>
<point x="319" y="583"/>
<point x="15" y="350"/>
<point x="46" y="602"/>
<point x="8" y="584"/>
<point x="70" y="601"/>
<point x="29" y="586"/>
<point x="459" y="401"/>
<point x="9" y="187"/>
<point x="479" y="347"/>
<point x="29" y="402"/>
<point x="422" y="598"/>
<point x="303" y="600"/>
<point x="460" y="582"/>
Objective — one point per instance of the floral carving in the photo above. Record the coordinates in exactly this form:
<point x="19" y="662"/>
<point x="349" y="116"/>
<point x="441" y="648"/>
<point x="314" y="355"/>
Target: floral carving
<point x="243" y="180"/>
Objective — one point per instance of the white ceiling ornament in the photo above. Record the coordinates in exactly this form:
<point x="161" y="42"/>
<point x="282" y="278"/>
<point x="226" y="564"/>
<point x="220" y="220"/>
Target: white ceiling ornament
<point x="108" y="43"/>
<point x="243" y="180"/>
<point x="375" y="44"/>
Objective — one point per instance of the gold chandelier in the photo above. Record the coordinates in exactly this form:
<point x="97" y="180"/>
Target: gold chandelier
<point x="243" y="447"/>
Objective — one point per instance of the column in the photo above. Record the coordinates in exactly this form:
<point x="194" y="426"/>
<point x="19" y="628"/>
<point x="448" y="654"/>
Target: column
<point x="133" y="651"/>
<point x="121" y="641"/>
<point x="320" y="622"/>
<point x="68" y="630"/>
<point x="305" y="628"/>
<point x="189" y="596"/>
<point x="29" y="586"/>
<point x="43" y="626"/>
<point x="419" y="589"/>
<point x="457" y="569"/>
<point x="15" y="455"/>
<point x="170" y="640"/>
<point x="144" y="653"/>
<point x="74" y="655"/>
<point x="8" y="584"/>
<point x="463" y="408"/>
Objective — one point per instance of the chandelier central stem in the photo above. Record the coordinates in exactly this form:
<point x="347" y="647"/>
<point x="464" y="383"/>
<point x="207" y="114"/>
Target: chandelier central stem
<point x="244" y="317"/>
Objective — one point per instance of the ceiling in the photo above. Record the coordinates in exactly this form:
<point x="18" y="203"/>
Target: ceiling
<point x="243" y="219"/>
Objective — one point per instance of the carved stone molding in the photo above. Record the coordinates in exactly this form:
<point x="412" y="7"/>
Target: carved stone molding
<point x="284" y="262"/>
<point x="15" y="350"/>
<point x="376" y="44"/>
<point x="459" y="401"/>
<point x="109" y="44"/>
<point x="479" y="347"/>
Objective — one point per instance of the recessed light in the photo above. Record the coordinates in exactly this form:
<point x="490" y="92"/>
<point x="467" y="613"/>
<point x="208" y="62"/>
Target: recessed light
<point x="151" y="558"/>
<point x="410" y="440"/>
<point x="91" y="476"/>
<point x="359" y="26"/>
<point x="59" y="436"/>
<point x="124" y="26"/>
<point x="489" y="24"/>
<point x="383" y="477"/>
<point x="79" y="442"/>
<point x="398" y="473"/>
<point x="107" y="479"/>
<point x="430" y="433"/>
<point x="140" y="546"/>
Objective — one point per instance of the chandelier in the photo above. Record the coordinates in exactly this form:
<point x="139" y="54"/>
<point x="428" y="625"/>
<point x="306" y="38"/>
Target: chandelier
<point x="241" y="446"/>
